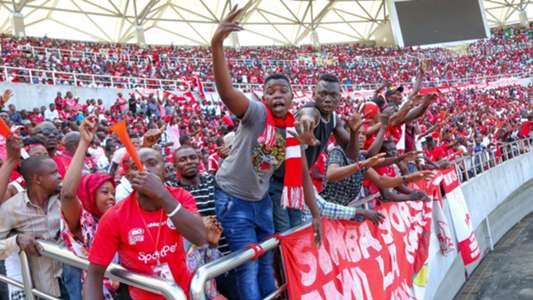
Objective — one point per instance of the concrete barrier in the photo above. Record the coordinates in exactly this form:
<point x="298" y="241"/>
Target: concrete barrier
<point x="497" y="199"/>
<point x="28" y="96"/>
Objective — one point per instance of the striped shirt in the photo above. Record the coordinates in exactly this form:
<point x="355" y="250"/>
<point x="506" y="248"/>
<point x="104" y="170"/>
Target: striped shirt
<point x="204" y="195"/>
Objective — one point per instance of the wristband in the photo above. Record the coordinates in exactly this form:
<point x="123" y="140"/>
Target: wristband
<point x="175" y="211"/>
<point x="358" y="166"/>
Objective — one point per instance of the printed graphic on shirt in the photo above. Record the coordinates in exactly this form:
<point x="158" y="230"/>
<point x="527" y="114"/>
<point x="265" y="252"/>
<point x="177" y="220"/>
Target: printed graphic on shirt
<point x="135" y="235"/>
<point x="266" y="158"/>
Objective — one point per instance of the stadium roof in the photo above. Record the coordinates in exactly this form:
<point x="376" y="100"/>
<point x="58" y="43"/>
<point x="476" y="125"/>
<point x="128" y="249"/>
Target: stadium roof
<point x="192" y="22"/>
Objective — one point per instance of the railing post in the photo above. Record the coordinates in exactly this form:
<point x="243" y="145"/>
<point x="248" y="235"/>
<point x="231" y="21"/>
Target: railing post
<point x="467" y="176"/>
<point x="26" y="275"/>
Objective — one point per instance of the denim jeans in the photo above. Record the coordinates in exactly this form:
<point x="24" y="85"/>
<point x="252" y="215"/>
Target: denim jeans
<point x="72" y="282"/>
<point x="284" y="218"/>
<point x="247" y="222"/>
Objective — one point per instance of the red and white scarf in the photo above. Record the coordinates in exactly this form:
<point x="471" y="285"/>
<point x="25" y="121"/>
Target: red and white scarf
<point x="293" y="193"/>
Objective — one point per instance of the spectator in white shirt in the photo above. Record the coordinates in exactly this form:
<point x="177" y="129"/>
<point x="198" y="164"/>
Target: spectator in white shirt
<point x="51" y="113"/>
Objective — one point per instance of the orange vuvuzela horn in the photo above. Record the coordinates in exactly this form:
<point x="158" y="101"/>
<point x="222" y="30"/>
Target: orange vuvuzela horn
<point x="122" y="133"/>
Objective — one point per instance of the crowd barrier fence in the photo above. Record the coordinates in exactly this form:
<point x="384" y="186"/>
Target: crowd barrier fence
<point x="49" y="77"/>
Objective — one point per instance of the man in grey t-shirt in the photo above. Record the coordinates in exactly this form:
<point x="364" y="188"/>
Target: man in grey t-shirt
<point x="242" y="203"/>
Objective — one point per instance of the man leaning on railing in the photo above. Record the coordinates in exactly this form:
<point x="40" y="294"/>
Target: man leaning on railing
<point x="33" y="214"/>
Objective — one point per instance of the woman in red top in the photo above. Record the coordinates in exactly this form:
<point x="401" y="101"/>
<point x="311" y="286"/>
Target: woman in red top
<point x="84" y="199"/>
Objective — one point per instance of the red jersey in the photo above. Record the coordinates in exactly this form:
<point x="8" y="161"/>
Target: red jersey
<point x="146" y="242"/>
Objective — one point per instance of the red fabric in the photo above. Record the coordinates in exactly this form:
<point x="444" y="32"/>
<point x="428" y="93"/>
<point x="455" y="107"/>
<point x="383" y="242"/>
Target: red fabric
<point x="320" y="169"/>
<point x="87" y="191"/>
<point x="525" y="129"/>
<point x="122" y="230"/>
<point x="212" y="165"/>
<point x="292" y="195"/>
<point x="356" y="260"/>
<point x="62" y="161"/>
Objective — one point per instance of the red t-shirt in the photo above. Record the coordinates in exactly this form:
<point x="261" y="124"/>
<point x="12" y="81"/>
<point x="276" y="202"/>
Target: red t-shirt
<point x="525" y="129"/>
<point x="132" y="232"/>
<point x="62" y="162"/>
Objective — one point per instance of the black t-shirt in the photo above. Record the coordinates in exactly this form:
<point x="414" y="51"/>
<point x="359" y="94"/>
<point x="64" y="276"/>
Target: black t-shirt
<point x="322" y="132"/>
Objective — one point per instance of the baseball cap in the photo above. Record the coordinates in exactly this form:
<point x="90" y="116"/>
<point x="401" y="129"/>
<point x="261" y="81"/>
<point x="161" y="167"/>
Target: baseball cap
<point x="393" y="90"/>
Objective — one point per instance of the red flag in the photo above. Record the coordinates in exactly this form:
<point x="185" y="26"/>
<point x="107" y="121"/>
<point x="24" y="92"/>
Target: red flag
<point x="4" y="129"/>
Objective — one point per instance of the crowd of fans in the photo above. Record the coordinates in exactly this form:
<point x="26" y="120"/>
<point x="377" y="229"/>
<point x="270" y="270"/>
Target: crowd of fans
<point x="505" y="53"/>
<point x="203" y="179"/>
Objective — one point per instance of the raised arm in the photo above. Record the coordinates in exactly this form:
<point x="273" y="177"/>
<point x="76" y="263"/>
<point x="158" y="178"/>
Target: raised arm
<point x="384" y="182"/>
<point x="188" y="224"/>
<point x="337" y="173"/>
<point x="354" y="124"/>
<point x="13" y="144"/>
<point x="234" y="99"/>
<point x="70" y="204"/>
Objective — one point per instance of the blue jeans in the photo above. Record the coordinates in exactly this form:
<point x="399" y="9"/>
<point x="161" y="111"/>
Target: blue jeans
<point x="247" y="222"/>
<point x="284" y="218"/>
<point x="72" y="282"/>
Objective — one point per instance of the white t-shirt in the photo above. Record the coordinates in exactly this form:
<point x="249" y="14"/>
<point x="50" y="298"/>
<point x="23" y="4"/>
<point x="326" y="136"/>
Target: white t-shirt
<point x="118" y="156"/>
<point x="51" y="115"/>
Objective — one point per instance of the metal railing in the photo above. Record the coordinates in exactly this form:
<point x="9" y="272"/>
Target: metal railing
<point x="50" y="77"/>
<point x="471" y="166"/>
<point x="165" y="288"/>
<point x="47" y="77"/>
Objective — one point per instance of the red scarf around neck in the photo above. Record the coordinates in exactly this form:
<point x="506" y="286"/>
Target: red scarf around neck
<point x="292" y="195"/>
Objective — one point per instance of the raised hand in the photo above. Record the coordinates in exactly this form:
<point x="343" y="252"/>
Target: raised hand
<point x="88" y="130"/>
<point x="372" y="215"/>
<point x="354" y="121"/>
<point x="374" y="160"/>
<point x="6" y="96"/>
<point x="421" y="175"/>
<point x="14" y="144"/>
<point x="410" y="156"/>
<point x="384" y="117"/>
<point x="151" y="137"/>
<point x="227" y="26"/>
<point x="305" y="133"/>
<point x="149" y="185"/>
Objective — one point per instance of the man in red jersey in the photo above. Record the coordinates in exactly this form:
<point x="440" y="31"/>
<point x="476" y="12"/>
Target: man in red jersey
<point x="146" y="230"/>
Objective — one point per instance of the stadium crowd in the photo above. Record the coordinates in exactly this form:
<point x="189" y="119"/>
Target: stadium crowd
<point x="210" y="178"/>
<point x="505" y="53"/>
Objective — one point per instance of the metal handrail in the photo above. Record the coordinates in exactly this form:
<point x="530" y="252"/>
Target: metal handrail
<point x="85" y="79"/>
<point x="161" y="287"/>
<point x="476" y="163"/>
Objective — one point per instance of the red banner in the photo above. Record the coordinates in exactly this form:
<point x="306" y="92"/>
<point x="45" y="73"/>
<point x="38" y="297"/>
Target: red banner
<point x="360" y="260"/>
